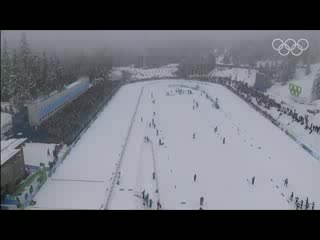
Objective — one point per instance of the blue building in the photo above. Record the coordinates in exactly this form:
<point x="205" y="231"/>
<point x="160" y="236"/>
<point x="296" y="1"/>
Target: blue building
<point x="43" y="108"/>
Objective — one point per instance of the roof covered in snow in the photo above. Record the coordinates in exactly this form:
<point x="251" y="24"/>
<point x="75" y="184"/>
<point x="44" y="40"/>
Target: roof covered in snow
<point x="8" y="148"/>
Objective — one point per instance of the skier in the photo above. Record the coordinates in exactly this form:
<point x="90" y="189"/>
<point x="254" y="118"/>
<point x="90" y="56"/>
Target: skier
<point x="301" y="204"/>
<point x="307" y="201"/>
<point x="286" y="182"/>
<point x="312" y="206"/>
<point x="307" y="205"/>
<point x="194" y="135"/>
<point x="224" y="140"/>
<point x="48" y="152"/>
<point x="141" y="119"/>
<point x="291" y="197"/>
<point x="153" y="175"/>
<point x="150" y="203"/>
<point x="157" y="132"/>
<point x="253" y="180"/>
<point x="143" y="192"/>
<point x="195" y="177"/>
<point x="147" y="198"/>
<point x="201" y="201"/>
<point x="297" y="205"/>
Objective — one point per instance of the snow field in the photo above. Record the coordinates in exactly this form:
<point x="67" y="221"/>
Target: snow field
<point x="254" y="147"/>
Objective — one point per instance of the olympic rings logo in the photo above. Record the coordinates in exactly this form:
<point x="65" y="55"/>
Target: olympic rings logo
<point x="290" y="46"/>
<point x="295" y="90"/>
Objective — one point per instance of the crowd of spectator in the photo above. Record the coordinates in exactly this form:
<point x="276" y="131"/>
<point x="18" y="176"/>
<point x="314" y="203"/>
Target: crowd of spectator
<point x="73" y="117"/>
<point x="252" y="95"/>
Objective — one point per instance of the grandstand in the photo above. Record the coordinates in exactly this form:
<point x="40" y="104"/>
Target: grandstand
<point x="42" y="109"/>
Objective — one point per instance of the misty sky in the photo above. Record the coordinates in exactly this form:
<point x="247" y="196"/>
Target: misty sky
<point x="60" y="39"/>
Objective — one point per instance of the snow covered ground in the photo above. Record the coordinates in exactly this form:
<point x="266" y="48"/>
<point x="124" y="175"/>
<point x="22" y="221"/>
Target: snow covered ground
<point x="254" y="147"/>
<point x="139" y="73"/>
<point x="36" y="153"/>
<point x="237" y="74"/>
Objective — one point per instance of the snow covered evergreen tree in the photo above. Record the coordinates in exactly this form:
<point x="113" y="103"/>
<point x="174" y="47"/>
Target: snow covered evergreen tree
<point x="42" y="84"/>
<point x="5" y="72"/>
<point x="23" y="75"/>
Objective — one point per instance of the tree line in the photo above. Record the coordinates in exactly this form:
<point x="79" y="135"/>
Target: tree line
<point x="27" y="74"/>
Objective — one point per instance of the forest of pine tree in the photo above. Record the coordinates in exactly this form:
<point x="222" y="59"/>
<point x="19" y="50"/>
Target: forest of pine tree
<point x="27" y="75"/>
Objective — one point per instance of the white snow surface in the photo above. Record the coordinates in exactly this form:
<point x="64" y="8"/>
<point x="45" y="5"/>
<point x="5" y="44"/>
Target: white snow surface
<point x="237" y="74"/>
<point x="36" y="153"/>
<point x="254" y="147"/>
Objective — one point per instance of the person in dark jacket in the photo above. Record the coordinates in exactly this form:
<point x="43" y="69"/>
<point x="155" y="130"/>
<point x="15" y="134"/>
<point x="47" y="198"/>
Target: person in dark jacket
<point x="201" y="201"/>
<point x="253" y="179"/>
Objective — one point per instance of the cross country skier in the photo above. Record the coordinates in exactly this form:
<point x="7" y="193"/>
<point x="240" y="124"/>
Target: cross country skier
<point x="307" y="201"/>
<point x="286" y="182"/>
<point x="195" y="177"/>
<point x="297" y="205"/>
<point x="201" y="201"/>
<point x="253" y="180"/>
<point x="291" y="197"/>
<point x="312" y="206"/>
<point x="147" y="198"/>
<point x="224" y="140"/>
<point x="143" y="192"/>
<point x="307" y="205"/>
<point x="301" y="204"/>
<point x="150" y="203"/>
